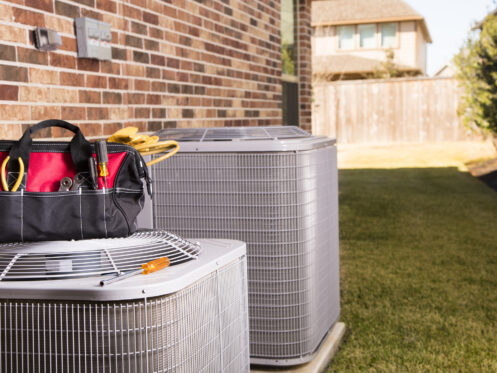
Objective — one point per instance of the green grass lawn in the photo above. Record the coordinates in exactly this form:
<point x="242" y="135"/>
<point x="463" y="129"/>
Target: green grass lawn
<point x="418" y="271"/>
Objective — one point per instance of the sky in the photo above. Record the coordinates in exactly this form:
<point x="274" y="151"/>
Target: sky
<point x="449" y="22"/>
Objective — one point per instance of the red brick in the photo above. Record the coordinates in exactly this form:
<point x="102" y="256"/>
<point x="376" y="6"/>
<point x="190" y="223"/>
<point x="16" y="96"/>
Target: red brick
<point x="152" y="45"/>
<point x="43" y="76"/>
<point x="108" y="67"/>
<point x="68" y="44"/>
<point x="110" y="128"/>
<point x="64" y="95"/>
<point x="139" y="28"/>
<point x="133" y="41"/>
<point x="153" y="73"/>
<point x="154" y="99"/>
<point x="32" y="56"/>
<point x="107" y="5"/>
<point x="158" y="86"/>
<point x="91" y="14"/>
<point x="10" y="132"/>
<point x="46" y="5"/>
<point x="89" y="97"/>
<point x="135" y="98"/>
<point x="87" y="64"/>
<point x="91" y="129"/>
<point x="142" y="112"/>
<point x="71" y="79"/>
<point x="142" y="85"/>
<point x="9" y="92"/>
<point x="155" y="33"/>
<point x="150" y="18"/>
<point x="118" y="83"/>
<point x="14" y="112"/>
<point x="73" y="113"/>
<point x="65" y="9"/>
<point x="157" y="59"/>
<point x="34" y="94"/>
<point x="97" y="113"/>
<point x="28" y="17"/>
<point x="159" y="113"/>
<point x="96" y="81"/>
<point x="62" y="60"/>
<point x="131" y="12"/>
<point x="6" y="12"/>
<point x="112" y="98"/>
<point x="42" y="112"/>
<point x="7" y="52"/>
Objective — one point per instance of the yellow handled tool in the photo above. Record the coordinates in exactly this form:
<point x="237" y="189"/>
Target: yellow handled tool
<point x="147" y="268"/>
<point x="3" y="172"/>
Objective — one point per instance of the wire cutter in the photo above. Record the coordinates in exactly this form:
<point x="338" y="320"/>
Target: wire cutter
<point x="3" y="173"/>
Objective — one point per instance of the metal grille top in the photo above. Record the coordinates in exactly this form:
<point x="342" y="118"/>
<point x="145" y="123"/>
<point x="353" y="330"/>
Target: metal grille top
<point x="233" y="133"/>
<point x="69" y="259"/>
<point x="244" y="139"/>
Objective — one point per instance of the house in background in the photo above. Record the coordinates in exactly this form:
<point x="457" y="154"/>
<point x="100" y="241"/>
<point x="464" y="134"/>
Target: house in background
<point x="353" y="39"/>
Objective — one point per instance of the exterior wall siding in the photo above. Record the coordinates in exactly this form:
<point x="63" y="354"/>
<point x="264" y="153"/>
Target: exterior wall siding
<point x="176" y="63"/>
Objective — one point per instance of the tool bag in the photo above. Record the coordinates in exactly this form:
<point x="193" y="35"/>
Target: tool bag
<point x="38" y="211"/>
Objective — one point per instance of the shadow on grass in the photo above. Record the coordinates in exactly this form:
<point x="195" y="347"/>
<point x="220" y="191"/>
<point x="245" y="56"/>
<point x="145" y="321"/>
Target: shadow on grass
<point x="418" y="271"/>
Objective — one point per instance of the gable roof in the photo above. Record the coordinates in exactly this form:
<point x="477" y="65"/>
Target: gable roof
<point x="343" y="12"/>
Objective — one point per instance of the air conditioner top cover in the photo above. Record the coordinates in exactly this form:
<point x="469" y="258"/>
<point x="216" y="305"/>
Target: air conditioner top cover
<point x="244" y="139"/>
<point x="55" y="265"/>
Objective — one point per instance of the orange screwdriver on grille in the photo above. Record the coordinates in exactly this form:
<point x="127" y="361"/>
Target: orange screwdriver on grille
<point x="147" y="268"/>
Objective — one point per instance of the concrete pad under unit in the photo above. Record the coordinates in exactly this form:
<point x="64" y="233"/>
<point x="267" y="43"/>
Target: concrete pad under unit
<point x="320" y="362"/>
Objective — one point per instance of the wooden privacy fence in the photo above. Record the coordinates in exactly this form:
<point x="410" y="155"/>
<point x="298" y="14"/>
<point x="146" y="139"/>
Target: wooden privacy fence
<point x="389" y="111"/>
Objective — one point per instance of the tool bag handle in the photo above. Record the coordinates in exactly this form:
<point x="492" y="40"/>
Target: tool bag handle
<point x="80" y="148"/>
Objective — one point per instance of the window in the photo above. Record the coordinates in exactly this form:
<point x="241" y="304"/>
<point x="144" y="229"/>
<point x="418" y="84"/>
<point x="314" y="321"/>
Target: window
<point x="289" y="59"/>
<point x="389" y="35"/>
<point x="288" y="46"/>
<point x="346" y="37"/>
<point x="367" y="36"/>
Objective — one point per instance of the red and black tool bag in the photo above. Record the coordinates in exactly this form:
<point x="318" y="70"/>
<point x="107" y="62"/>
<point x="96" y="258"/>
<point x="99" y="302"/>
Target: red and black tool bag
<point x="38" y="211"/>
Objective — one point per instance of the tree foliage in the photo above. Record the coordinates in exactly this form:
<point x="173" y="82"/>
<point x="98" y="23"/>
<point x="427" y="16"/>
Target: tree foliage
<point x="477" y="73"/>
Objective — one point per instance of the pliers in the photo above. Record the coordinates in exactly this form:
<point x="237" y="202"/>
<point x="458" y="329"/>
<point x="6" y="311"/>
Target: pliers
<point x="3" y="174"/>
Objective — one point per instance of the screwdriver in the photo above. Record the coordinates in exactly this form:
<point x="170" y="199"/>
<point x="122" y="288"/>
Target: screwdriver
<point x="147" y="268"/>
<point x="102" y="159"/>
<point x="92" y="167"/>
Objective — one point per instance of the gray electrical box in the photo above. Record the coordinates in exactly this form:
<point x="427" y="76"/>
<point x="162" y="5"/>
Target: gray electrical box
<point x="94" y="39"/>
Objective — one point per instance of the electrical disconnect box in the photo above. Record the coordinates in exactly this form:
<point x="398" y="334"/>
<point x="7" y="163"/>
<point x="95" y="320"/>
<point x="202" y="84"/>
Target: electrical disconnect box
<point x="94" y="39"/>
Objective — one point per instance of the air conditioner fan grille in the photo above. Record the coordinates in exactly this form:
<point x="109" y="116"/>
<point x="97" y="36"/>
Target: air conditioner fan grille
<point x="232" y="134"/>
<point x="69" y="259"/>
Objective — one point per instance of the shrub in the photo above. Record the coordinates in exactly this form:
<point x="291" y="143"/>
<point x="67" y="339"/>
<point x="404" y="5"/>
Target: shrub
<point x="476" y="63"/>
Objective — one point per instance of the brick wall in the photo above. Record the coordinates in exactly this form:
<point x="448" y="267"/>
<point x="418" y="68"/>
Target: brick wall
<point x="304" y="64"/>
<point x="176" y="63"/>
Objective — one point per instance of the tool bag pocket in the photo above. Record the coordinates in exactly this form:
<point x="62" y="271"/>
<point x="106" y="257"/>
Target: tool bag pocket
<point x="37" y="211"/>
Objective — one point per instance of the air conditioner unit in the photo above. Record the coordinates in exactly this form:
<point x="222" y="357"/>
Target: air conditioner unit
<point x="276" y="189"/>
<point x="189" y="317"/>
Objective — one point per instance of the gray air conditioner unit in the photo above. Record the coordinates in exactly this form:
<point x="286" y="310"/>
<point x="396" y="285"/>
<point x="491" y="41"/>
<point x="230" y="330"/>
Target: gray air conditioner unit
<point x="276" y="189"/>
<point x="189" y="317"/>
